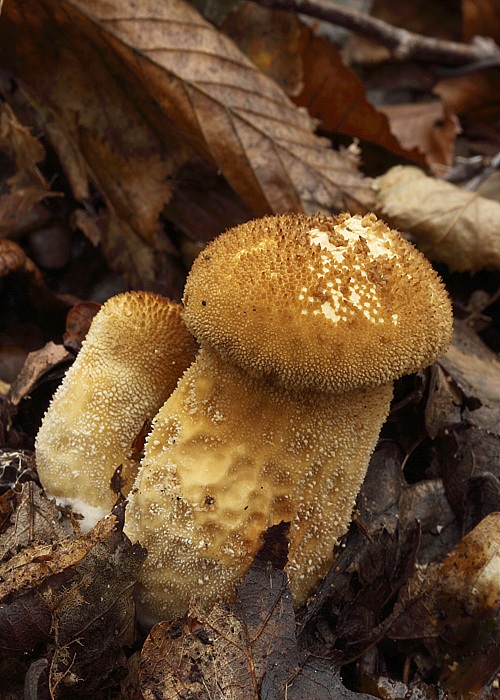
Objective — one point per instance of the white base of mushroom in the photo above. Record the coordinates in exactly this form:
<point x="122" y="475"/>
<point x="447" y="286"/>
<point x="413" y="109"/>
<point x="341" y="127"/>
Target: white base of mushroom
<point x="90" y="514"/>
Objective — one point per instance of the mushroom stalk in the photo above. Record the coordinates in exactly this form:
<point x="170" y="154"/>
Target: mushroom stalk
<point x="136" y="349"/>
<point x="303" y="323"/>
<point x="203" y="500"/>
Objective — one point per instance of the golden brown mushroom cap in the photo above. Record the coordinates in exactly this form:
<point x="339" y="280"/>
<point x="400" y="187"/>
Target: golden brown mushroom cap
<point x="330" y="303"/>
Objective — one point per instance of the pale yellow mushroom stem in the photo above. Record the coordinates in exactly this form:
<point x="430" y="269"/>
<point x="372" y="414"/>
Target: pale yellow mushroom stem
<point x="303" y="322"/>
<point x="136" y="349"/>
<point x="203" y="499"/>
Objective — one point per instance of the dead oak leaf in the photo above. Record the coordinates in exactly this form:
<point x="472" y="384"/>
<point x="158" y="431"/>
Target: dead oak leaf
<point x="225" y="108"/>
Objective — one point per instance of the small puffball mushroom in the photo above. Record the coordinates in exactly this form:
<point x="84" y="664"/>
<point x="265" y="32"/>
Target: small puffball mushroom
<point x="136" y="349"/>
<point x="303" y="322"/>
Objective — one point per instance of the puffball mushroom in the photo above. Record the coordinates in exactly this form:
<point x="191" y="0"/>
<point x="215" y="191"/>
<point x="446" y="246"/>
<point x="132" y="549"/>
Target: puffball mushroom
<point x="135" y="350"/>
<point x="303" y="323"/>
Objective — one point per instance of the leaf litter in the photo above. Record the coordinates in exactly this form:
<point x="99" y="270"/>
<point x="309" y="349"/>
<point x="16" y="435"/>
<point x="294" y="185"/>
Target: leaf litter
<point x="157" y="134"/>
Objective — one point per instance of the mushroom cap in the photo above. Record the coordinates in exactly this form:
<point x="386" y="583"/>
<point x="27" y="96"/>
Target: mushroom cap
<point x="316" y="302"/>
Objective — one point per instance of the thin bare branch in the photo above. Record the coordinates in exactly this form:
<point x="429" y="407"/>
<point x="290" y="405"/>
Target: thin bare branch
<point x="403" y="44"/>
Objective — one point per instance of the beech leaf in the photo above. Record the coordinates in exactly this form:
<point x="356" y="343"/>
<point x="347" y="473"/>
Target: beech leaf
<point x="225" y="108"/>
<point x="450" y="225"/>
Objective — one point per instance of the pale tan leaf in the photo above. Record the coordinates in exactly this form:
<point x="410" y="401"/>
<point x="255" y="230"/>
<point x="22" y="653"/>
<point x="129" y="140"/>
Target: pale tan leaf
<point x="450" y="225"/>
<point x="225" y="108"/>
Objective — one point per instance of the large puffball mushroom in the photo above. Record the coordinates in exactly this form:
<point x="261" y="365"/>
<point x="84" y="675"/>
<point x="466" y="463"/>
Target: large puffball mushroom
<point x="136" y="349"/>
<point x="303" y="322"/>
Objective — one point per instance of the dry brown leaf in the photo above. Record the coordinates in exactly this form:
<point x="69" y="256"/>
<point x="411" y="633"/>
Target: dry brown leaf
<point x="475" y="369"/>
<point x="248" y="652"/>
<point x="469" y="578"/>
<point x="128" y="94"/>
<point x="99" y="127"/>
<point x="35" y="518"/>
<point x="335" y="96"/>
<point x="450" y="225"/>
<point x="226" y="110"/>
<point x="17" y="141"/>
<point x="22" y="185"/>
<point x="271" y="39"/>
<point x="475" y="96"/>
<point x="38" y="363"/>
<point x="455" y="608"/>
<point x="76" y="594"/>
<point x="223" y="653"/>
<point x="428" y="127"/>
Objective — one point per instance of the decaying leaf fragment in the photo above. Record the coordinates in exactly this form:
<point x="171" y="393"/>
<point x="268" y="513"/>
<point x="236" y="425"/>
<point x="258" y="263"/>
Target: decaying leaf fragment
<point x="221" y="649"/>
<point x="34" y="518"/>
<point x="246" y="653"/>
<point x="450" y="225"/>
<point x="72" y="602"/>
<point x="23" y="188"/>
<point x="463" y="417"/>
<point x="455" y="608"/>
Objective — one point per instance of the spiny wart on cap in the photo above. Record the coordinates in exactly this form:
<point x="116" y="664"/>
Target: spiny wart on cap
<point x="329" y="303"/>
<point x="303" y="324"/>
<point x="136" y="349"/>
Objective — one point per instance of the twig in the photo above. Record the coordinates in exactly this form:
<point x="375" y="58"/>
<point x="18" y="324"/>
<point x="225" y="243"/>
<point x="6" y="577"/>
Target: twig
<point x="403" y="44"/>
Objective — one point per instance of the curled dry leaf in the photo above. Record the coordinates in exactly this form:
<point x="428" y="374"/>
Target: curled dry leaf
<point x="450" y="225"/>
<point x="78" y="323"/>
<point x="469" y="578"/>
<point x="469" y="609"/>
<point x="38" y="364"/>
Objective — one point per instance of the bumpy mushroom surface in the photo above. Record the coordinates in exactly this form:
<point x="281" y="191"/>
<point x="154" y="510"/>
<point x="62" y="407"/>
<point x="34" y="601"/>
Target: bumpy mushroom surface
<point x="329" y="303"/>
<point x="136" y="349"/>
<point x="304" y="323"/>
